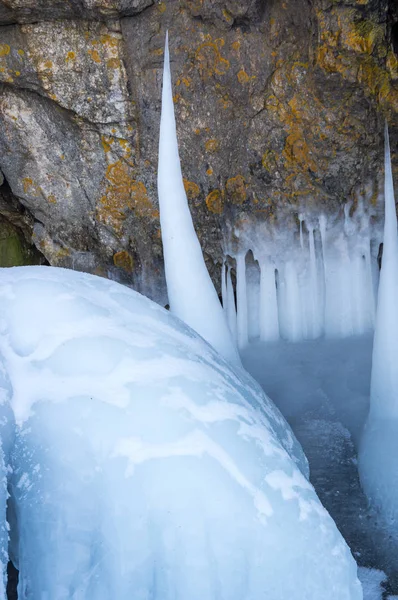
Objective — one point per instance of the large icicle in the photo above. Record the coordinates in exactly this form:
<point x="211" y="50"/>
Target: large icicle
<point x="379" y="444"/>
<point x="191" y="292"/>
<point x="384" y="382"/>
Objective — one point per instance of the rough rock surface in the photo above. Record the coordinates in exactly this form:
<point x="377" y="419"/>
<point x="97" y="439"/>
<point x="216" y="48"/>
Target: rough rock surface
<point x="280" y="106"/>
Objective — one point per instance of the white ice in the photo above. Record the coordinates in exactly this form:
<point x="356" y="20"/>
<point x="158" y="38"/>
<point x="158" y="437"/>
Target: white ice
<point x="7" y="427"/>
<point x="379" y="446"/>
<point x="143" y="466"/>
<point x="317" y="278"/>
<point x="191" y="293"/>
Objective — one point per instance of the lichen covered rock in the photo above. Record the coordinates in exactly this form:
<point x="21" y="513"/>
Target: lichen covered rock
<point x="279" y="106"/>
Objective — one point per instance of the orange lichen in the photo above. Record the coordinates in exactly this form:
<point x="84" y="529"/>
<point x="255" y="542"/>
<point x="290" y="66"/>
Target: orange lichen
<point x="30" y="187"/>
<point x="209" y="171"/>
<point x="113" y="63"/>
<point x="192" y="190"/>
<point x="4" y="49"/>
<point x="106" y="142"/>
<point x="214" y="202"/>
<point x="94" y="55"/>
<point x="70" y="56"/>
<point x="209" y="59"/>
<point x="123" y="260"/>
<point x="235" y="45"/>
<point x="236" y="189"/>
<point x="48" y="64"/>
<point x="212" y="145"/>
<point x="243" y="77"/>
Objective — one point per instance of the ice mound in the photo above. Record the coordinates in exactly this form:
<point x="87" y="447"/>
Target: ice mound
<point x="143" y="466"/>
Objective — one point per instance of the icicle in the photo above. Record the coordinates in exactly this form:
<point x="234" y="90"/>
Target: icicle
<point x="301" y="219"/>
<point x="192" y="295"/>
<point x="231" y="307"/>
<point x="315" y="323"/>
<point x="269" y="319"/>
<point x="241" y="296"/>
<point x="224" y="287"/>
<point x="384" y="380"/>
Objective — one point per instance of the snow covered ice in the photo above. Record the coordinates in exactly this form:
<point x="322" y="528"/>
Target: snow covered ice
<point x="143" y="466"/>
<point x="379" y="444"/>
<point x="191" y="292"/>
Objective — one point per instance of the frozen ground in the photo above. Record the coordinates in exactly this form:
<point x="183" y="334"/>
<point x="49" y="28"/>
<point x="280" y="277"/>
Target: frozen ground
<point x="322" y="388"/>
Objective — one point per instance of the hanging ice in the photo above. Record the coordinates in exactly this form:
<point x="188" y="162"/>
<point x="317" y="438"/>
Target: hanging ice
<point x="379" y="446"/>
<point x="191" y="292"/>
<point x="315" y="279"/>
<point x="144" y="466"/>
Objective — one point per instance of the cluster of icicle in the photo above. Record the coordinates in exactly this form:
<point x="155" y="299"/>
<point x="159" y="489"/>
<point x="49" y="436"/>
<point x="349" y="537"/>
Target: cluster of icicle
<point x="319" y="280"/>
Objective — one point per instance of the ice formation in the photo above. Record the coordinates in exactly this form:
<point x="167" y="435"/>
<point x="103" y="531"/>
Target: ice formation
<point x="143" y="465"/>
<point x="6" y="439"/>
<point x="295" y="284"/>
<point x="379" y="445"/>
<point x="191" y="292"/>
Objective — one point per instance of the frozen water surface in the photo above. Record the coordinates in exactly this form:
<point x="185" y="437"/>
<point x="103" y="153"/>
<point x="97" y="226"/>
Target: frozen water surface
<point x="322" y="388"/>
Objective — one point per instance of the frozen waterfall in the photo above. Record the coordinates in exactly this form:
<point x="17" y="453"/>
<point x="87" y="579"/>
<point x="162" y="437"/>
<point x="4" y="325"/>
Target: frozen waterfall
<point x="317" y="277"/>
<point x="192" y="296"/>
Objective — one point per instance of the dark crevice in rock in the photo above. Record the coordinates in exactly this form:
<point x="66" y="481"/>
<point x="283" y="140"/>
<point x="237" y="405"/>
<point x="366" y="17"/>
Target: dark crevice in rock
<point x="16" y="227"/>
<point x="394" y="37"/>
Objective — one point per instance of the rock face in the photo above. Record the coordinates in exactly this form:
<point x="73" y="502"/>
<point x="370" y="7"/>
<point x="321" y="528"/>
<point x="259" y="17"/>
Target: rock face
<point x="280" y="107"/>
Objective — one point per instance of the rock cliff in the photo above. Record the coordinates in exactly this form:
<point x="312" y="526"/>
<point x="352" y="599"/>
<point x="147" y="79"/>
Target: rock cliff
<point x="280" y="106"/>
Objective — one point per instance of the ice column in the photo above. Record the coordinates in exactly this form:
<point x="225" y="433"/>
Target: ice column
<point x="269" y="320"/>
<point x="241" y="298"/>
<point x="384" y="381"/>
<point x="192" y="296"/>
<point x="379" y="444"/>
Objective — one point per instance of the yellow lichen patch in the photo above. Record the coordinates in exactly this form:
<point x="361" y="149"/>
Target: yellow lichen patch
<point x="243" y="77"/>
<point x="209" y="60"/>
<point x="361" y="36"/>
<point x="48" y="64"/>
<point x="17" y="73"/>
<point x="209" y="171"/>
<point x="191" y="189"/>
<point x="21" y="52"/>
<point x="214" y="202"/>
<point x="140" y="201"/>
<point x="187" y="81"/>
<point x="392" y="64"/>
<point x="125" y="145"/>
<point x="227" y="16"/>
<point x="71" y="56"/>
<point x="123" y="260"/>
<point x="4" y="49"/>
<point x="235" y="45"/>
<point x="212" y="145"/>
<point x="157" y="52"/>
<point x="106" y="142"/>
<point x="109" y="40"/>
<point x="30" y="187"/>
<point x="51" y="198"/>
<point x="236" y="189"/>
<point x="297" y="152"/>
<point x="196" y="131"/>
<point x="113" y="63"/>
<point x="94" y="55"/>
<point x="161" y="6"/>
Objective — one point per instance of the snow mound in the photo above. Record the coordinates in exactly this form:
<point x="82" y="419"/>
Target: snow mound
<point x="143" y="466"/>
<point x="7" y="427"/>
